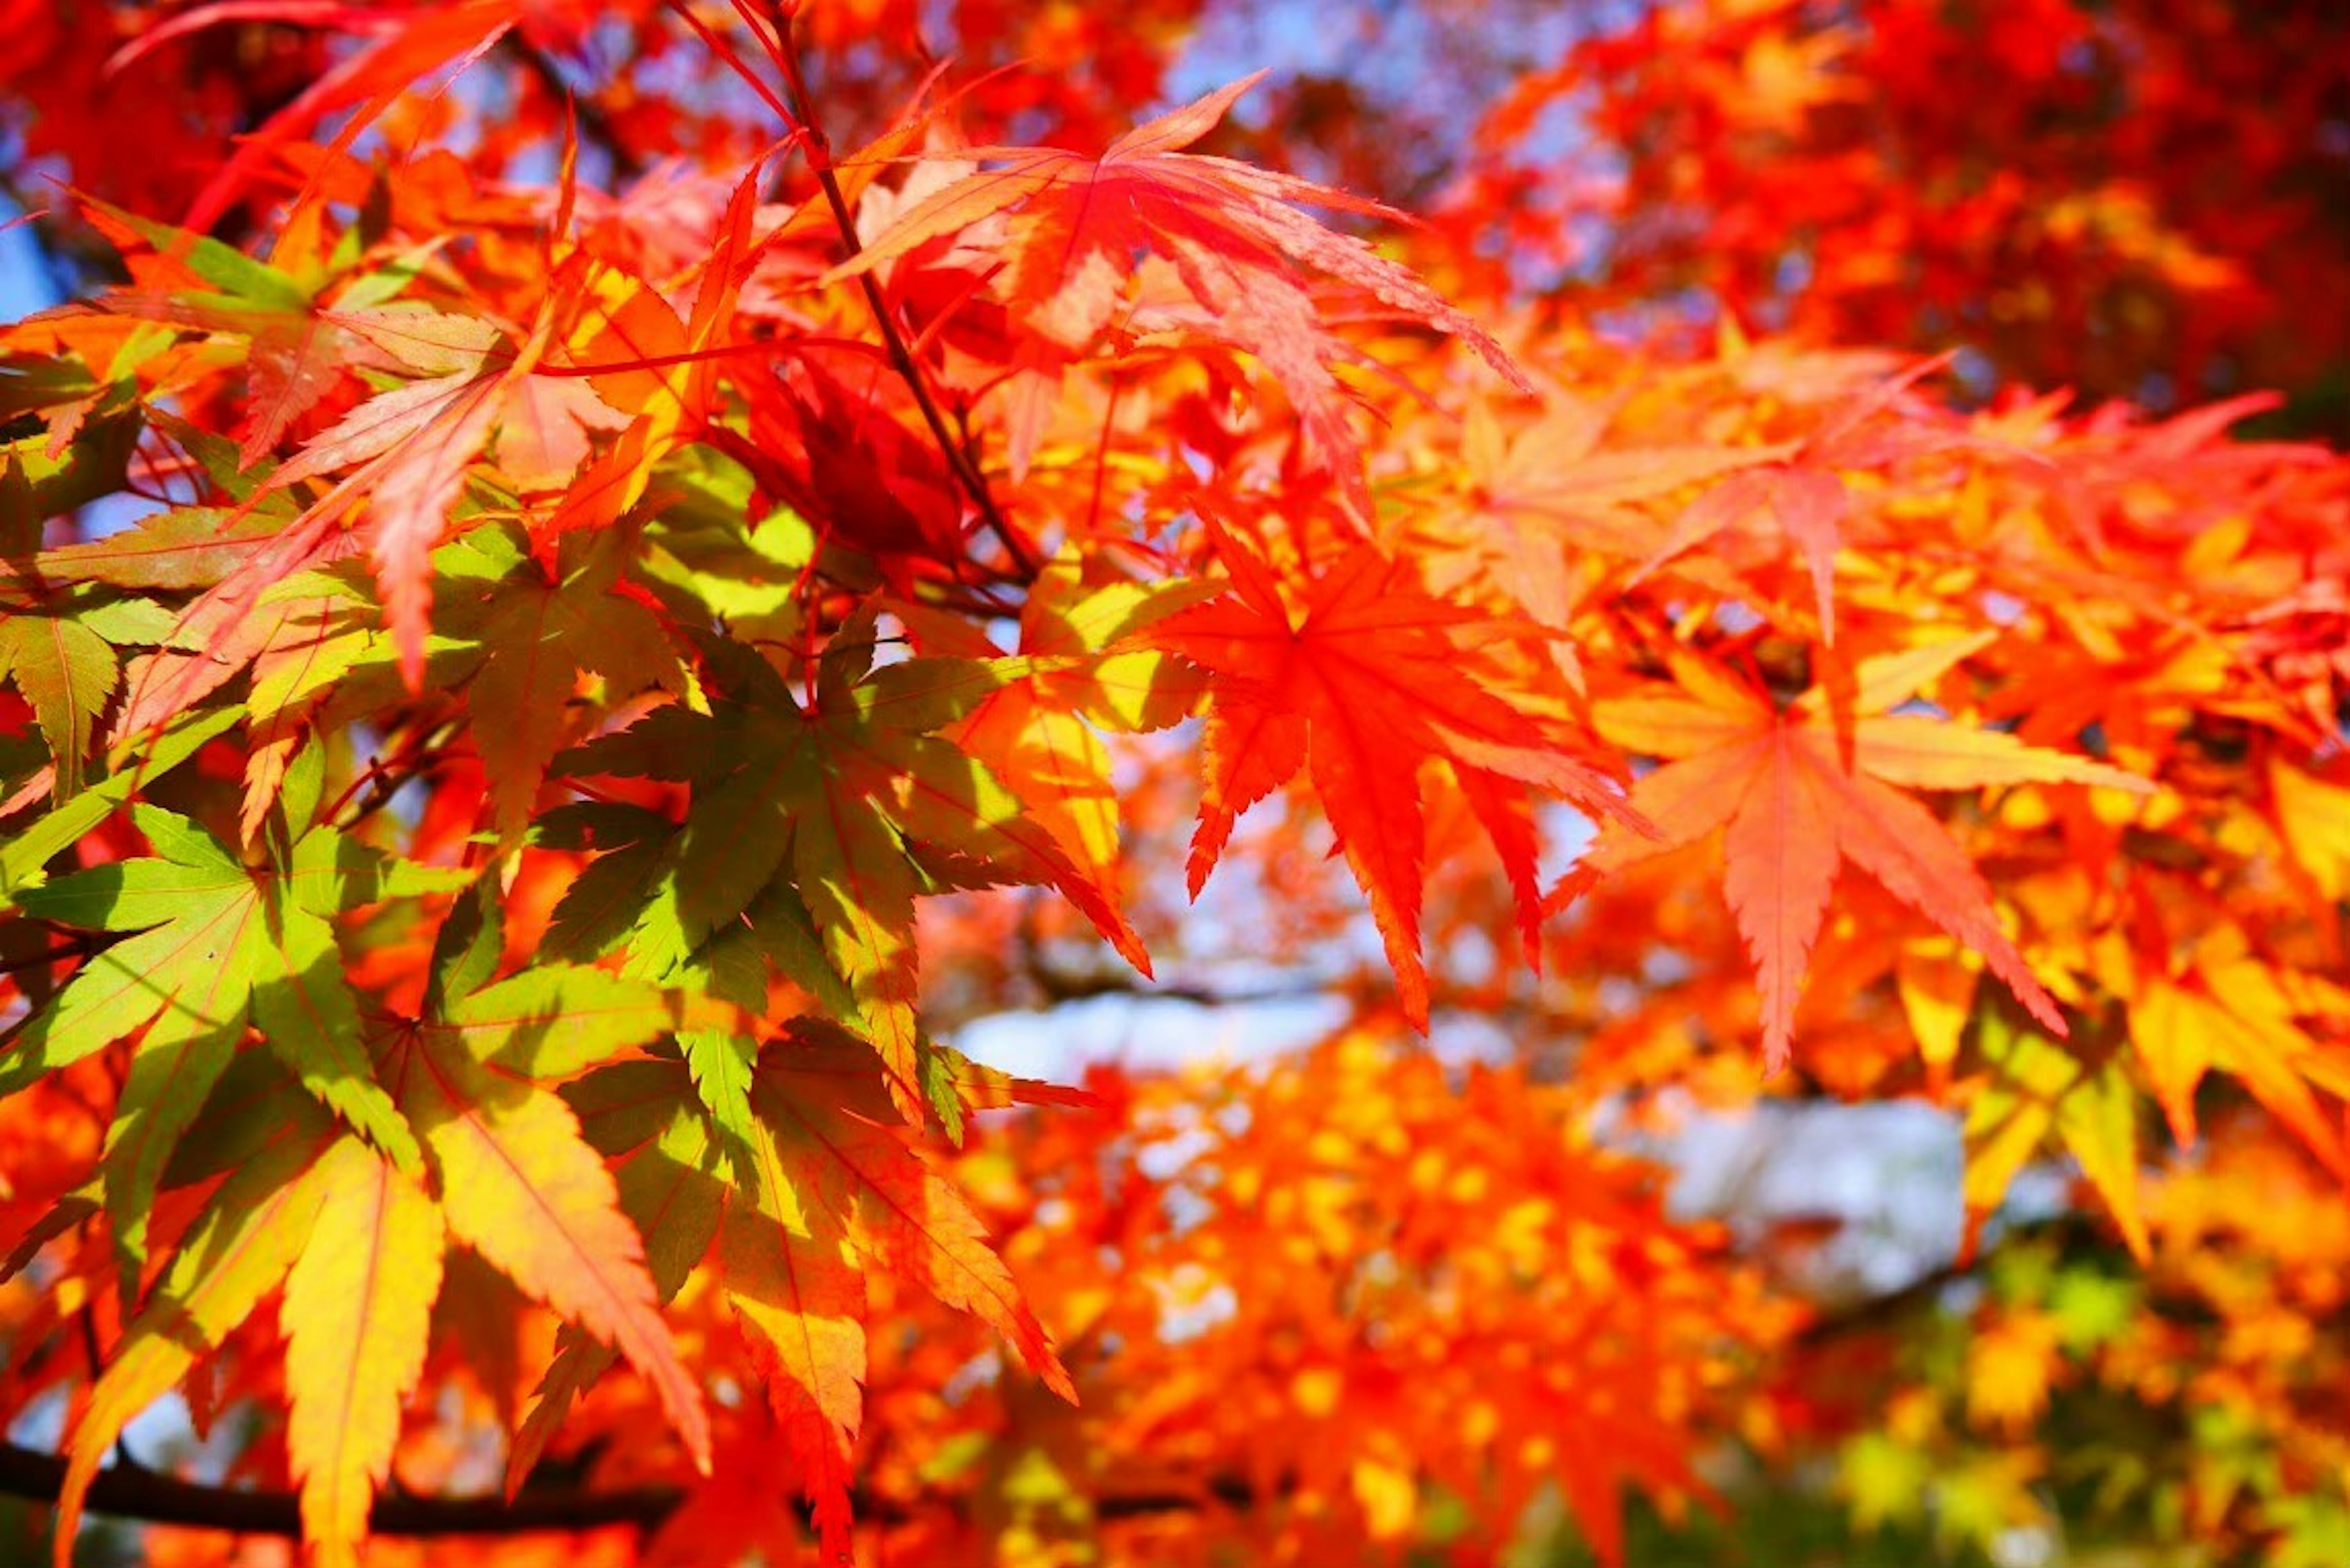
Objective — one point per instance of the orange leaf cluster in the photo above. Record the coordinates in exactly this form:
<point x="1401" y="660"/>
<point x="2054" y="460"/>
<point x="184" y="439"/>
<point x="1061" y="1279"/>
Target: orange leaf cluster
<point x="576" y="651"/>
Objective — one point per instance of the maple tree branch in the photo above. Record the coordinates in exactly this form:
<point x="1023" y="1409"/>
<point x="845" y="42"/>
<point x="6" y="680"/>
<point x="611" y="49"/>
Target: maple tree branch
<point x="1886" y="1308"/>
<point x="386" y="776"/>
<point x="1060" y="987"/>
<point x="152" y="1496"/>
<point x="819" y="157"/>
<point x="586" y="112"/>
<point x="78" y="946"/>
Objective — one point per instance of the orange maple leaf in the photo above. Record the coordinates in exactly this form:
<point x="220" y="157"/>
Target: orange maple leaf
<point x="1794" y="811"/>
<point x="1800" y="487"/>
<point x="2228" y="1010"/>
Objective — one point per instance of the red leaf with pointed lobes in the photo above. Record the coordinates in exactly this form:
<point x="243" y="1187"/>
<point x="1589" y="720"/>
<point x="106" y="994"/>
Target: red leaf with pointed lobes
<point x="1367" y="680"/>
<point x="1075" y="224"/>
<point x="367" y="81"/>
<point x="1804" y="495"/>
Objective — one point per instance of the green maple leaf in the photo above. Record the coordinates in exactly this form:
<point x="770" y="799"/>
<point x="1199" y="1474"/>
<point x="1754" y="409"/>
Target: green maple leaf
<point x="61" y="654"/>
<point x="538" y="630"/>
<point x="824" y="820"/>
<point x="295" y="351"/>
<point x="210" y="946"/>
<point x="66" y="672"/>
<point x="515" y="1178"/>
<point x="25" y="853"/>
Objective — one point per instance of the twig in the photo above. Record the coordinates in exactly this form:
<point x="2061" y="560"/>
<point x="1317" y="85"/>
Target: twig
<point x="79" y="946"/>
<point x="590" y="116"/>
<point x="819" y="157"/>
<point x="387" y="776"/>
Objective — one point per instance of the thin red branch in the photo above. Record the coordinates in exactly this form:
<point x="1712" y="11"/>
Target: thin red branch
<point x="819" y="157"/>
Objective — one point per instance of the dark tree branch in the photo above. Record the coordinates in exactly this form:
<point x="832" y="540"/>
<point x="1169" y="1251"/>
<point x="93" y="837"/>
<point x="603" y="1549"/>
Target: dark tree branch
<point x="595" y="124"/>
<point x="387" y="776"/>
<point x="152" y="1496"/>
<point x="1887" y="1310"/>
<point x="80" y="945"/>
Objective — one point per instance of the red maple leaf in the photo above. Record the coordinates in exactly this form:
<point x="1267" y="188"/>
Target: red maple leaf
<point x="1366" y="678"/>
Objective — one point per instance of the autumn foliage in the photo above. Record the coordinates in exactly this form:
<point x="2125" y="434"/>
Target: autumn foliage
<point x="601" y="597"/>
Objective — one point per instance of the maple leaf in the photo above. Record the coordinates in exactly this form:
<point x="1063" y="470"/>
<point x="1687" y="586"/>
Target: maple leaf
<point x="361" y="86"/>
<point x="359" y="1242"/>
<point x="825" y="1182"/>
<point x="232" y="555"/>
<point x="538" y="631"/>
<point x="225" y="627"/>
<point x="2034" y="1086"/>
<point x="1074" y="224"/>
<point x="1805" y="495"/>
<point x="212" y="945"/>
<point x="357" y="1316"/>
<point x="854" y="473"/>
<point x="294" y="353"/>
<point x="29" y="849"/>
<point x="68" y="671"/>
<point x="624" y="463"/>
<point x="406" y="451"/>
<point x="852" y="805"/>
<point x="237" y="1250"/>
<point x="794" y="1287"/>
<point x="1366" y="679"/>
<point x="673" y="1189"/>
<point x="1080" y="632"/>
<point x="1795" y="813"/>
<point x="2227" y="1010"/>
<point x="2314" y="818"/>
<point x="515" y="1178"/>
<point x="830" y="1180"/>
<point x="828" y="1112"/>
<point x="653" y="366"/>
<point x="1553" y="483"/>
<point x="185" y="547"/>
<point x="404" y="455"/>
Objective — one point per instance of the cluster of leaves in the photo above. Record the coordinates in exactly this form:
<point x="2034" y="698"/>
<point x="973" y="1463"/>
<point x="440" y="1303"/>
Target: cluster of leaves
<point x="518" y="695"/>
<point x="2071" y="189"/>
<point x="2080" y="194"/>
